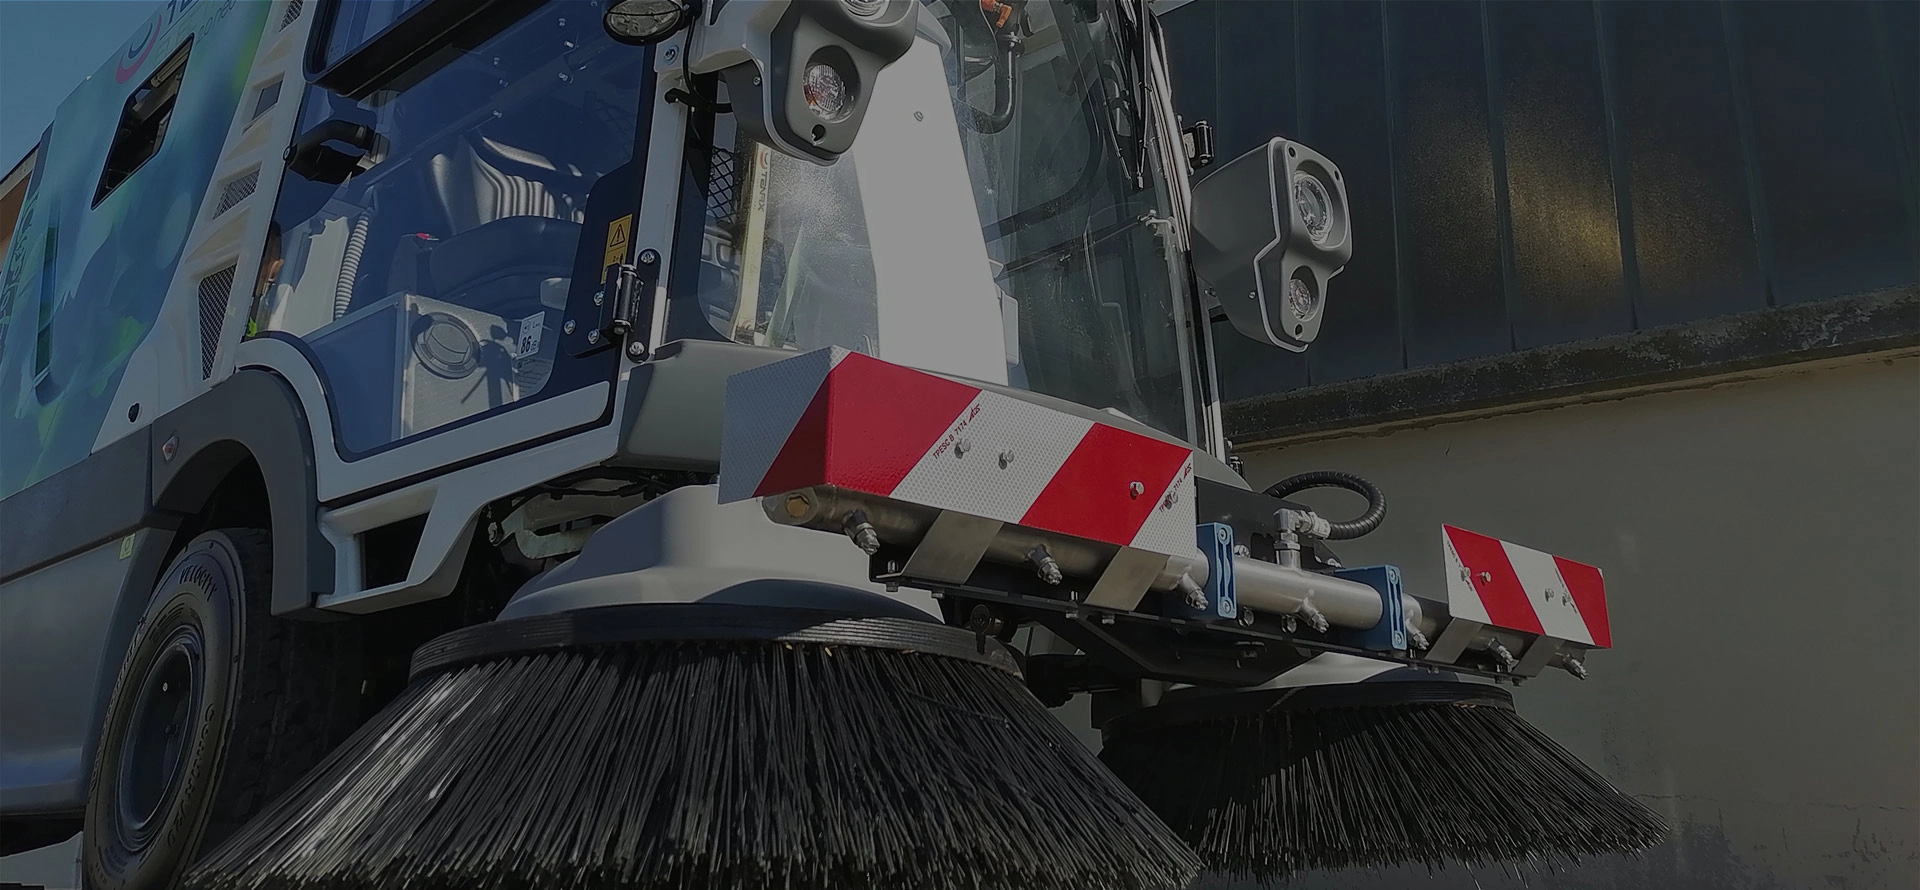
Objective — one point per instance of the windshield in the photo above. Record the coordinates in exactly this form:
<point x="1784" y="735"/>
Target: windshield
<point x="1001" y="217"/>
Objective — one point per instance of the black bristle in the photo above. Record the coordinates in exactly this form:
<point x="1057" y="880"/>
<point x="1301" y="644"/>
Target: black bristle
<point x="697" y="765"/>
<point x="1266" y="794"/>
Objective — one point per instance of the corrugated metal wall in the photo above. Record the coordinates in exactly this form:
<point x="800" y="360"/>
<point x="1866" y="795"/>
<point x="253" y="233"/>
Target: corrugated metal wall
<point x="1525" y="174"/>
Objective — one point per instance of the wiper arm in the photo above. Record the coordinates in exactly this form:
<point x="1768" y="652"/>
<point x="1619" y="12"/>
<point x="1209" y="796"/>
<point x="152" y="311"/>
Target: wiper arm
<point x="1133" y="37"/>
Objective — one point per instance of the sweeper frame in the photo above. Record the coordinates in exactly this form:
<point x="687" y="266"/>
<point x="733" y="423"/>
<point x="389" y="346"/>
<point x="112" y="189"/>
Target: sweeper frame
<point x="399" y="318"/>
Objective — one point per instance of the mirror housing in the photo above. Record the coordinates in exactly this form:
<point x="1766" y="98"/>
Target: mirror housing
<point x="1270" y="231"/>
<point x="800" y="73"/>
<point x="643" y="22"/>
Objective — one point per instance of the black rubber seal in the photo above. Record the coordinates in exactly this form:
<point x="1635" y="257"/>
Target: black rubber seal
<point x="705" y="622"/>
<point x="1254" y="703"/>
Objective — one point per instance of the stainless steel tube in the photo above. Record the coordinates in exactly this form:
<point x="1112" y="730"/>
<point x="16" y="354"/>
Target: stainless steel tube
<point x="1280" y="590"/>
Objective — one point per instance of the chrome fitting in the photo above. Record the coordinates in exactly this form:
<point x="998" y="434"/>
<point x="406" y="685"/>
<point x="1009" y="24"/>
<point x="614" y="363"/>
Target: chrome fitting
<point x="1043" y="564"/>
<point x="862" y="532"/>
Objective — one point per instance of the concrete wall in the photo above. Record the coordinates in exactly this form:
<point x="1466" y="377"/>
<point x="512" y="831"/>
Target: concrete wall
<point x="55" y="868"/>
<point x="1761" y="543"/>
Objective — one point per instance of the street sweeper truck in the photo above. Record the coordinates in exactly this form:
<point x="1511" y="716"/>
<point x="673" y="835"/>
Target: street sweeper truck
<point x="656" y="444"/>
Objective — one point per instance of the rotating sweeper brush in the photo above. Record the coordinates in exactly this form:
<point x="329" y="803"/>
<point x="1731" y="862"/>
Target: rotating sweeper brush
<point x="1345" y="762"/>
<point x="707" y="746"/>
<point x="1409" y="770"/>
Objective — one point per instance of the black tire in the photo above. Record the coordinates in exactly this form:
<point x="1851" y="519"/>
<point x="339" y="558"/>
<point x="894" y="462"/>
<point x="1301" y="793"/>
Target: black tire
<point x="217" y="709"/>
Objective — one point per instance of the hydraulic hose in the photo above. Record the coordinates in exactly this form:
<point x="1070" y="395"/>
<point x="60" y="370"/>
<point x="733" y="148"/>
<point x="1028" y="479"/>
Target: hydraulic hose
<point x="1339" y="531"/>
<point x="1006" y="70"/>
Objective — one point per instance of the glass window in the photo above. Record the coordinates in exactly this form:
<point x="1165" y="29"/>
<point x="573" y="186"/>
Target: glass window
<point x="1023" y="242"/>
<point x="357" y="21"/>
<point x="429" y="286"/>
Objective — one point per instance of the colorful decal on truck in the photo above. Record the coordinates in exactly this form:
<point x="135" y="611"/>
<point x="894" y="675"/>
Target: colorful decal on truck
<point x="92" y="256"/>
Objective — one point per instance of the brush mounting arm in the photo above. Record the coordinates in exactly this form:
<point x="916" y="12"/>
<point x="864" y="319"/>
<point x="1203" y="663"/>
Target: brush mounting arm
<point x="1105" y="536"/>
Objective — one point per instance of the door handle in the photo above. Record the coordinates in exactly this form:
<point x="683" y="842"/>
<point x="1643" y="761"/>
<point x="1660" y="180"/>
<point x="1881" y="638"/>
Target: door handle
<point x="310" y="157"/>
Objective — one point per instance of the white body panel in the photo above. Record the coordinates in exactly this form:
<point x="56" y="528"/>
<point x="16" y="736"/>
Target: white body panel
<point x="165" y="370"/>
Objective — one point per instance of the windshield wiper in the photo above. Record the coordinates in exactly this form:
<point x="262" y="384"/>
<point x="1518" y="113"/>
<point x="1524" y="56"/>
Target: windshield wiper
<point x="1131" y="30"/>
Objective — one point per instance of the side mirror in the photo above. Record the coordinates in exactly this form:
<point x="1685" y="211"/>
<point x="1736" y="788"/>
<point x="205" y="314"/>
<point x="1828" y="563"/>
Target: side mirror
<point x="641" y="22"/>
<point x="1270" y="230"/>
<point x="799" y="73"/>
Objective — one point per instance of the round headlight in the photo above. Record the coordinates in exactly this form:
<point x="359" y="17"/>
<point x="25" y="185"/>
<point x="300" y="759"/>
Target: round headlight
<point x="1316" y="209"/>
<point x="1302" y="297"/>
<point x="826" y="92"/>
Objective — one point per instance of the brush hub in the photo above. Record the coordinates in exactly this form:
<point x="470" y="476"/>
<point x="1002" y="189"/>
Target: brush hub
<point x="1200" y="706"/>
<point x="705" y="622"/>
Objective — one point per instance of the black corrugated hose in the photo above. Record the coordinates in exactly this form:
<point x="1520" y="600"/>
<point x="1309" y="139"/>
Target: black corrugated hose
<point x="1339" y="531"/>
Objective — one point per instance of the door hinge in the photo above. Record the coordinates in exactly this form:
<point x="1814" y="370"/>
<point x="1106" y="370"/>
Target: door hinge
<point x="620" y="309"/>
<point x="1198" y="140"/>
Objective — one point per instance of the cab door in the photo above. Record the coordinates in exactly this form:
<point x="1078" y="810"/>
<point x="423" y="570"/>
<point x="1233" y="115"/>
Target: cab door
<point x="463" y="176"/>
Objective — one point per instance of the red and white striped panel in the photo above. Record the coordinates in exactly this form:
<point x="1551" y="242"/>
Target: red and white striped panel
<point x="831" y="417"/>
<point x="1509" y="586"/>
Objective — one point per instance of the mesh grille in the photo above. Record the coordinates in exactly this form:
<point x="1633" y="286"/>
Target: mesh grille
<point x="292" y="13"/>
<point x="214" y="292"/>
<point x="236" y="191"/>
<point x="723" y="188"/>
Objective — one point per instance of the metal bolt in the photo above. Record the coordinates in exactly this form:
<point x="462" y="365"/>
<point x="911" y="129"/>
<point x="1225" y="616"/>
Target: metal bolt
<point x="599" y="297"/>
<point x="565" y="77"/>
<point x="1486" y="577"/>
<point x="593" y="336"/>
<point x="1006" y="457"/>
<point x="797" y="505"/>
<point x="1245" y="618"/>
<point x="636" y="350"/>
<point x="919" y="115"/>
<point x="568" y="327"/>
<point x="670" y="54"/>
<point x="1105" y="619"/>
<point x="649" y="256"/>
<point x="1135" y="489"/>
<point x="961" y="447"/>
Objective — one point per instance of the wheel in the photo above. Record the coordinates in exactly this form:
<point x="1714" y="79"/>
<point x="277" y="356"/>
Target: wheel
<point x="218" y="707"/>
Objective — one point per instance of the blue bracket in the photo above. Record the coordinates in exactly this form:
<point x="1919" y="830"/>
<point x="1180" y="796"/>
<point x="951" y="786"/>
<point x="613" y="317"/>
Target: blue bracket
<point x="1391" y="632"/>
<point x="1215" y="540"/>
